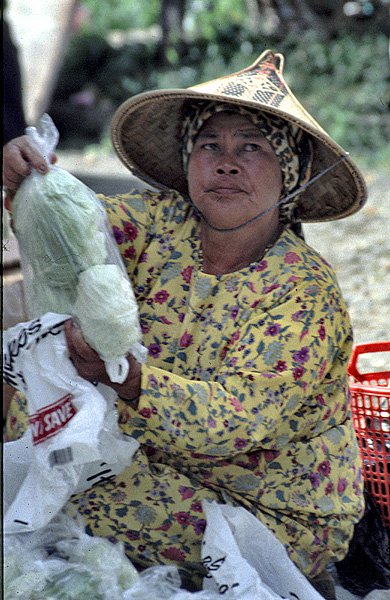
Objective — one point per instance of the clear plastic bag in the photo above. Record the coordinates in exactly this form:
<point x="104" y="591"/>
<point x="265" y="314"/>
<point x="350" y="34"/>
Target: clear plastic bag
<point x="62" y="562"/>
<point x="70" y="260"/>
<point x="163" y="583"/>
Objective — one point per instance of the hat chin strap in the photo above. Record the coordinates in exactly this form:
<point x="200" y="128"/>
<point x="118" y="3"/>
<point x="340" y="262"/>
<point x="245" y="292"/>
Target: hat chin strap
<point x="278" y="203"/>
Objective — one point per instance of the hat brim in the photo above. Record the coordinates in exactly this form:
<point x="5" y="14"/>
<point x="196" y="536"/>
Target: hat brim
<point x="146" y="135"/>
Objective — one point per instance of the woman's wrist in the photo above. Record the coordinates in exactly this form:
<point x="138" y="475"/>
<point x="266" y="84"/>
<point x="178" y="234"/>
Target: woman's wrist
<point x="130" y="389"/>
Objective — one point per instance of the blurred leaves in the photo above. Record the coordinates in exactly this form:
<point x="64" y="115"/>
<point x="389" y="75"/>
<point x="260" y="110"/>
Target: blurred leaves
<point x="107" y="15"/>
<point x="343" y="81"/>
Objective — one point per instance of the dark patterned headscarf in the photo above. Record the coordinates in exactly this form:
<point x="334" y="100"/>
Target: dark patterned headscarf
<point x="289" y="142"/>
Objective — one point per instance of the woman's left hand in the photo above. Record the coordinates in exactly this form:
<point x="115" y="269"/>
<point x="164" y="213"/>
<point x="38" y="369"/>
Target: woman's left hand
<point x="90" y="366"/>
<point x="86" y="361"/>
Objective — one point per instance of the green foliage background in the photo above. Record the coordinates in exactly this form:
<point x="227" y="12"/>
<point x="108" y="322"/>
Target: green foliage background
<point x="343" y="82"/>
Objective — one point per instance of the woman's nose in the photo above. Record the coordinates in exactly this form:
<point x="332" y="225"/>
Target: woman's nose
<point x="227" y="165"/>
<point x="225" y="169"/>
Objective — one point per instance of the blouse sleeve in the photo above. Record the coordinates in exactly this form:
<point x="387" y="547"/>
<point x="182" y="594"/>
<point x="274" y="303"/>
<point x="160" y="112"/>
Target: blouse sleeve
<point x="131" y="217"/>
<point x="283" y="377"/>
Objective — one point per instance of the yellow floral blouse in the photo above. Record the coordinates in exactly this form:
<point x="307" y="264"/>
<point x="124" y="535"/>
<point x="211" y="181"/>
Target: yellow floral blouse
<point x="245" y="388"/>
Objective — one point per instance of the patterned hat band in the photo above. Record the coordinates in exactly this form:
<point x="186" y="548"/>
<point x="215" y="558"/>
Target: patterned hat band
<point x="290" y="144"/>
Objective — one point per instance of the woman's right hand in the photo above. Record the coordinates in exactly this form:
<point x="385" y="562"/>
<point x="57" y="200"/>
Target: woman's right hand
<point x="19" y="158"/>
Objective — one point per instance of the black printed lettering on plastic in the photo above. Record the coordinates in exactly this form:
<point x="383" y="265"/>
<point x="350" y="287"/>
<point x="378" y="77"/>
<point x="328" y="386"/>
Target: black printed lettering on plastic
<point x="24" y="340"/>
<point x="17" y="344"/>
<point x="212" y="565"/>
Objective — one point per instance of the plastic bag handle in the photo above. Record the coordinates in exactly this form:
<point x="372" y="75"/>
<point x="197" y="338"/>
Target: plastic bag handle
<point x="359" y="349"/>
<point x="44" y="136"/>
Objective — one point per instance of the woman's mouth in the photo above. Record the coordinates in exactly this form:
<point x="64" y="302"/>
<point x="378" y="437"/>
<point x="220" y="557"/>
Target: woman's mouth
<point x="224" y="190"/>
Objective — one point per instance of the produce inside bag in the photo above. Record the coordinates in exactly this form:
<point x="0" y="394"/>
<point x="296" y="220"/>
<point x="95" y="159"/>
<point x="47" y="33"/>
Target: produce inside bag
<point x="70" y="260"/>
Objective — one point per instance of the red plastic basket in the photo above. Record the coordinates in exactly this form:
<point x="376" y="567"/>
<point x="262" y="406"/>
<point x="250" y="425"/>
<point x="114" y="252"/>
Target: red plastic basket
<point x="370" y="402"/>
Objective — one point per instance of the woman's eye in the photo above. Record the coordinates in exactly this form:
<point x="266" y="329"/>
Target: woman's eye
<point x="251" y="147"/>
<point x="210" y="146"/>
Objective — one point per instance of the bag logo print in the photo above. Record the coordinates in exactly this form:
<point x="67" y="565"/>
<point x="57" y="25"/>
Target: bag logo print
<point x="51" y="419"/>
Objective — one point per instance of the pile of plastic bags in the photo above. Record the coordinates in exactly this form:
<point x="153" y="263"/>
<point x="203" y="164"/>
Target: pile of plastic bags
<point x="61" y="562"/>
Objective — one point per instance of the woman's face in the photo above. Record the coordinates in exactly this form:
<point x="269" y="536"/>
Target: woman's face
<point x="233" y="172"/>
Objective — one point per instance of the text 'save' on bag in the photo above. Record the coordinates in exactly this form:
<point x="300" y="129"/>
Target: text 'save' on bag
<point x="73" y="441"/>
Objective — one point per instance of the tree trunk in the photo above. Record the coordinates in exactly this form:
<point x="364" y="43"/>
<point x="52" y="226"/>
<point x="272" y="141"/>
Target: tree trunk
<point x="293" y="15"/>
<point x="306" y="18"/>
<point x="171" y="20"/>
<point x="263" y="16"/>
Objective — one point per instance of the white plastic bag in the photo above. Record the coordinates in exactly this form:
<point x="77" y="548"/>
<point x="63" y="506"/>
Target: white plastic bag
<point x="73" y="441"/>
<point x="245" y="561"/>
<point x="70" y="261"/>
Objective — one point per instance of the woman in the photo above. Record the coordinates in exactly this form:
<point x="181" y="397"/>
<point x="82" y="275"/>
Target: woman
<point x="244" y="397"/>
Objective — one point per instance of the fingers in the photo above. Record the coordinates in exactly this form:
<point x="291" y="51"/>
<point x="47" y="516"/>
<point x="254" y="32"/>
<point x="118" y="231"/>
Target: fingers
<point x="68" y="330"/>
<point x="19" y="158"/>
<point x="90" y="366"/>
<point x="86" y="361"/>
<point x="77" y="346"/>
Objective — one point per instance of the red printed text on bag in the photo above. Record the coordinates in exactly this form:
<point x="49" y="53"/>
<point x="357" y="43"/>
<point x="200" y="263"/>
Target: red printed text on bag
<point x="51" y="419"/>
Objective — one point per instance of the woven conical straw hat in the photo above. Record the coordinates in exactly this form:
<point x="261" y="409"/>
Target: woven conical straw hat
<point x="146" y="132"/>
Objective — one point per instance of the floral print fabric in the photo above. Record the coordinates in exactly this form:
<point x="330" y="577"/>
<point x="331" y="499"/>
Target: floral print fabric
<point x="245" y="389"/>
<point x="244" y="396"/>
